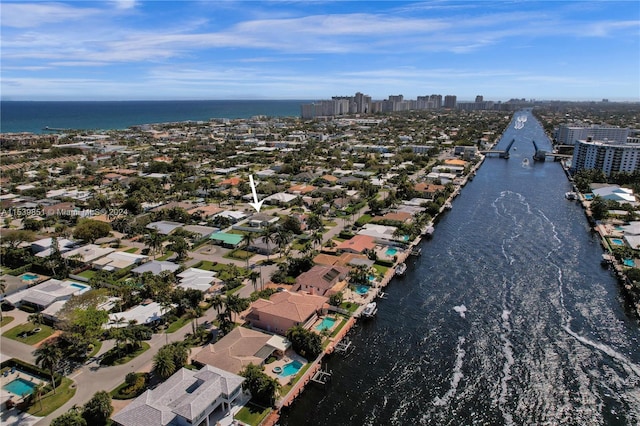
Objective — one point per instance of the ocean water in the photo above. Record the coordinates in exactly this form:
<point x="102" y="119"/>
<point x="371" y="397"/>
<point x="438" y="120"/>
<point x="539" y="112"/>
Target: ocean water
<point x="35" y="116"/>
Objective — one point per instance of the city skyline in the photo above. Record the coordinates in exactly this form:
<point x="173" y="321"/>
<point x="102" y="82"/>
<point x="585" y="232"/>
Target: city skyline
<point x="165" y="50"/>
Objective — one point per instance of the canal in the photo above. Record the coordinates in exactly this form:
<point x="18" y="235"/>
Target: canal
<point x="506" y="318"/>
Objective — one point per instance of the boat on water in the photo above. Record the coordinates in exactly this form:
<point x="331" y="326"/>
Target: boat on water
<point x="525" y="162"/>
<point x="570" y="195"/>
<point x="448" y="206"/>
<point x="370" y="310"/>
<point x="401" y="269"/>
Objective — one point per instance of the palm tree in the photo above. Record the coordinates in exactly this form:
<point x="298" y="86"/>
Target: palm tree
<point x="267" y="236"/>
<point x="48" y="356"/>
<point x="282" y="238"/>
<point x="35" y="318"/>
<point x="163" y="364"/>
<point x="316" y="238"/>
<point x="153" y="240"/>
<point x="253" y="276"/>
<point x="247" y="240"/>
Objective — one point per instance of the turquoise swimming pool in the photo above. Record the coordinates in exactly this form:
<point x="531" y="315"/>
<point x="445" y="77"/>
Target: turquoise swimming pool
<point x="617" y="241"/>
<point x="391" y="251"/>
<point x="629" y="262"/>
<point x="362" y="289"/>
<point x="20" y="387"/>
<point x="291" y="368"/>
<point x="80" y="286"/>
<point x="326" y="324"/>
<point x="28" y="277"/>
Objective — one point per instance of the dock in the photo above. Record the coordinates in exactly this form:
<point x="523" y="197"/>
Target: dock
<point x="321" y="377"/>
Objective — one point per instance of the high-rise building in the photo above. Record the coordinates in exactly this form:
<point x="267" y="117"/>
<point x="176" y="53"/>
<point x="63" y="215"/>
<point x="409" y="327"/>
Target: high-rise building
<point x="450" y="101"/>
<point x="608" y="156"/>
<point x="479" y="98"/>
<point x="568" y="134"/>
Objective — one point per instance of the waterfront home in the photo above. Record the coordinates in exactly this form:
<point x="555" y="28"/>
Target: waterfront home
<point x="200" y="397"/>
<point x="381" y="233"/>
<point x="631" y="234"/>
<point x="357" y="244"/>
<point x="615" y="193"/>
<point x="322" y="280"/>
<point x="428" y="190"/>
<point x="285" y="310"/>
<point x="241" y="347"/>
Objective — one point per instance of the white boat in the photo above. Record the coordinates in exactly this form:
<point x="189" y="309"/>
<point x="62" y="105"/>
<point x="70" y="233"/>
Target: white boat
<point x="570" y="195"/>
<point x="370" y="310"/>
<point x="401" y="269"/>
<point x="525" y="162"/>
<point x="448" y="206"/>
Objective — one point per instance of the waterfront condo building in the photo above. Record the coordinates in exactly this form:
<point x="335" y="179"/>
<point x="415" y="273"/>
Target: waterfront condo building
<point x="568" y="134"/>
<point x="608" y="156"/>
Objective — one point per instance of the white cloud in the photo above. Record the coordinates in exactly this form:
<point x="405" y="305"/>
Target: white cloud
<point x="26" y="15"/>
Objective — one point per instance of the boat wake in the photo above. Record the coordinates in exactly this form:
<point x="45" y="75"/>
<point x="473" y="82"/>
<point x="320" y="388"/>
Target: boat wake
<point x="455" y="377"/>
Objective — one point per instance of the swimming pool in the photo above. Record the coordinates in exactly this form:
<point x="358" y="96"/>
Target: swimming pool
<point x="291" y="368"/>
<point x="629" y="262"/>
<point x="391" y="251"/>
<point x="588" y="197"/>
<point x="80" y="286"/>
<point x="326" y="324"/>
<point x="28" y="277"/>
<point x="20" y="387"/>
<point x="362" y="289"/>
<point x="617" y="241"/>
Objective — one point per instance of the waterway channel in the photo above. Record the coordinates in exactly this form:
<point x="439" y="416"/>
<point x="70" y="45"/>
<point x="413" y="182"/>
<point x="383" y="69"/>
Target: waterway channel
<point x="506" y="318"/>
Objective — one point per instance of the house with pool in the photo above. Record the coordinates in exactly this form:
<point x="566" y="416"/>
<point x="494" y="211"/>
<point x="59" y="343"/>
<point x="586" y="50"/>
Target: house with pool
<point x="241" y="347"/>
<point x="322" y="280"/>
<point x="43" y="295"/>
<point x="285" y="310"/>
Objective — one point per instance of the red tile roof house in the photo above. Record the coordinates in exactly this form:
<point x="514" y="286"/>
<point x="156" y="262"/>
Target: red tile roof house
<point x="357" y="244"/>
<point x="285" y="310"/>
<point x="322" y="280"/>
<point x="428" y="190"/>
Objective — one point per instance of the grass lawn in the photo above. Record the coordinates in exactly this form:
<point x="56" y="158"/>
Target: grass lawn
<point x="88" y="274"/>
<point x="124" y="391"/>
<point x="381" y="270"/>
<point x="96" y="348"/>
<point x="364" y="219"/>
<point x="31" y="339"/>
<point x="349" y="306"/>
<point x="51" y="402"/>
<point x="178" y="324"/>
<point x="206" y="265"/>
<point x="5" y="320"/>
<point x="343" y="321"/>
<point x="110" y="357"/>
<point x="166" y="256"/>
<point x="239" y="254"/>
<point x="252" y="414"/>
<point x="131" y="250"/>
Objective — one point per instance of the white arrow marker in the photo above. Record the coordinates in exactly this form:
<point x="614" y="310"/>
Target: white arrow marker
<point x="256" y="204"/>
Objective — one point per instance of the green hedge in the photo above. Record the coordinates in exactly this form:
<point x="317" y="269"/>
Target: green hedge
<point x="31" y="369"/>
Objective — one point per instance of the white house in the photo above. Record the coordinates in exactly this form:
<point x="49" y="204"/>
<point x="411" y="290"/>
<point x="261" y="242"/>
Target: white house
<point x="201" y="397"/>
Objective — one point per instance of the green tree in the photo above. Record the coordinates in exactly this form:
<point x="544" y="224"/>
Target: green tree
<point x="247" y="240"/>
<point x="90" y="230"/>
<point x="48" y="356"/>
<point x="179" y="246"/>
<point x="70" y="418"/>
<point x="98" y="409"/>
<point x="263" y="388"/>
<point x="599" y="208"/>
<point x="306" y="343"/>
<point x="163" y="364"/>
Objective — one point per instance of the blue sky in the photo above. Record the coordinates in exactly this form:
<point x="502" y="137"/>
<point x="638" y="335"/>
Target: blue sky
<point x="123" y="50"/>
